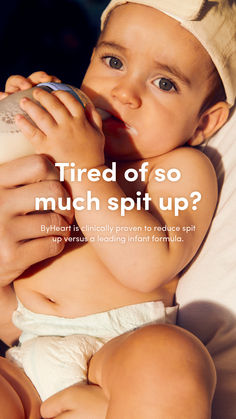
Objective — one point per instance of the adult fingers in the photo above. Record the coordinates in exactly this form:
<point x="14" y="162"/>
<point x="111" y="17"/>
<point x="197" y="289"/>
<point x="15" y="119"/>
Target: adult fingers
<point x="26" y="170"/>
<point x="23" y="179"/>
<point x="15" y="258"/>
<point x="41" y="196"/>
<point x="31" y="226"/>
<point x="34" y="251"/>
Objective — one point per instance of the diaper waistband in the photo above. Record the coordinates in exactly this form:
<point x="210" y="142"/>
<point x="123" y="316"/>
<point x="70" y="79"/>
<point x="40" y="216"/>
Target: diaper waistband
<point x="104" y="325"/>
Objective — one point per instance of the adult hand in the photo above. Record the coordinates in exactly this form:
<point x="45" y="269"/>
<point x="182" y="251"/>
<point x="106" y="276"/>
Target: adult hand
<point x="22" y="241"/>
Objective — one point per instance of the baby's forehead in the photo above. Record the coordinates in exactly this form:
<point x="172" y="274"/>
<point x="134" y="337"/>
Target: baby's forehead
<point x="124" y="17"/>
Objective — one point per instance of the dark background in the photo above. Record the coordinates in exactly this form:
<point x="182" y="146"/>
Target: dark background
<point x="56" y="36"/>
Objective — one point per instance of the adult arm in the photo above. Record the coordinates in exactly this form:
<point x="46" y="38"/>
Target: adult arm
<point x="22" y="240"/>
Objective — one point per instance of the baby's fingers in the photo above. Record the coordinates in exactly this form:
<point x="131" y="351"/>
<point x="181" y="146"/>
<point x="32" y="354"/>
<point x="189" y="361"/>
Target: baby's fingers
<point x="93" y="116"/>
<point x="16" y="83"/>
<point x="42" y="77"/>
<point x="43" y="119"/>
<point x="3" y="95"/>
<point x="30" y="131"/>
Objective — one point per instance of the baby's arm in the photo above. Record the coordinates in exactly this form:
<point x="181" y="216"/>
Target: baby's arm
<point x="148" y="264"/>
<point x="66" y="134"/>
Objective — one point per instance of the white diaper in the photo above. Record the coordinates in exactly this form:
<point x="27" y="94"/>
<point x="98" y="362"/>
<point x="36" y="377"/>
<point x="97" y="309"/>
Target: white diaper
<point x="54" y="351"/>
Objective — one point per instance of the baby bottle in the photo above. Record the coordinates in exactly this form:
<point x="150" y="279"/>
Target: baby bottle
<point x="12" y="142"/>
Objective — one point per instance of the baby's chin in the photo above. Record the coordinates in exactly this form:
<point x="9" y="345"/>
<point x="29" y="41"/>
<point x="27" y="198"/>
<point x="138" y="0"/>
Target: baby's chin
<point x="114" y="154"/>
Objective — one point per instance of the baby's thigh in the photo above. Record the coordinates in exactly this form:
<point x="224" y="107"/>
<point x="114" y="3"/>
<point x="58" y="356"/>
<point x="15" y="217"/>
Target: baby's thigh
<point x="18" y="397"/>
<point x="162" y="352"/>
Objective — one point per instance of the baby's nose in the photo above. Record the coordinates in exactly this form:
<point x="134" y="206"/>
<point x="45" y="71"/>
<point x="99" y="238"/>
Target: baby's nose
<point x="127" y="93"/>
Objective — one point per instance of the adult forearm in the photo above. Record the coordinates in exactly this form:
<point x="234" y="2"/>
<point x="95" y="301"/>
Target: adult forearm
<point x="8" y="303"/>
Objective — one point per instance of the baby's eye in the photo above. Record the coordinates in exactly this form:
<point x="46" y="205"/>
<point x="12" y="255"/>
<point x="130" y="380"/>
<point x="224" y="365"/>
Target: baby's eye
<point x="164" y="84"/>
<point x="113" y="62"/>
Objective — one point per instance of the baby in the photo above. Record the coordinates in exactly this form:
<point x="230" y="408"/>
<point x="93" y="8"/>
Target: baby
<point x="158" y="91"/>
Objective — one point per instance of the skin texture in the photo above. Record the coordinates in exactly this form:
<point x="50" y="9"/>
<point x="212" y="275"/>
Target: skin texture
<point x="134" y="90"/>
<point x="125" y="384"/>
<point x="18" y="398"/>
<point x="131" y="93"/>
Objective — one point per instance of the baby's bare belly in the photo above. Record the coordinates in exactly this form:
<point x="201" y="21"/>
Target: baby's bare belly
<point x="77" y="284"/>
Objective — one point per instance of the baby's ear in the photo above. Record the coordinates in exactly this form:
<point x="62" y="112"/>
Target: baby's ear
<point x="210" y="121"/>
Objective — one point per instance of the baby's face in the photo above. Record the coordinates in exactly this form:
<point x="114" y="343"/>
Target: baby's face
<point x="151" y="76"/>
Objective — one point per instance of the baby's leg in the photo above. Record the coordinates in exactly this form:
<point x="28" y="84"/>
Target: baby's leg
<point x="18" y="397"/>
<point x="157" y="371"/>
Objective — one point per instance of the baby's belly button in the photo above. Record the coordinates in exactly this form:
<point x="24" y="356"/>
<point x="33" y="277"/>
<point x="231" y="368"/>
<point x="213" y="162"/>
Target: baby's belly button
<point x="36" y="301"/>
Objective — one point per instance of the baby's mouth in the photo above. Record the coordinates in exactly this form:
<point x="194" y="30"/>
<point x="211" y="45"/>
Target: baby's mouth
<point x="105" y="115"/>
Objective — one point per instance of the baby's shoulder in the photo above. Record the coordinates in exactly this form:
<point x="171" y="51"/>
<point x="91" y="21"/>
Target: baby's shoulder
<point x="183" y="157"/>
<point x="189" y="165"/>
<point x="183" y="189"/>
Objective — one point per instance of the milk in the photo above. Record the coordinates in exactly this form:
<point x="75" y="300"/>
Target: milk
<point x="14" y="145"/>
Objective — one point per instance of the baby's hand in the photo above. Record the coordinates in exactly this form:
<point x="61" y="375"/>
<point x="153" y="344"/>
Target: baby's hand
<point x="16" y="83"/>
<point x="64" y="130"/>
<point x="77" y="401"/>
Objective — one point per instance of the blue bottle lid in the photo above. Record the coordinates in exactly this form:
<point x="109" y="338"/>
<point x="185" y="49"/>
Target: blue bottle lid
<point x="61" y="86"/>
